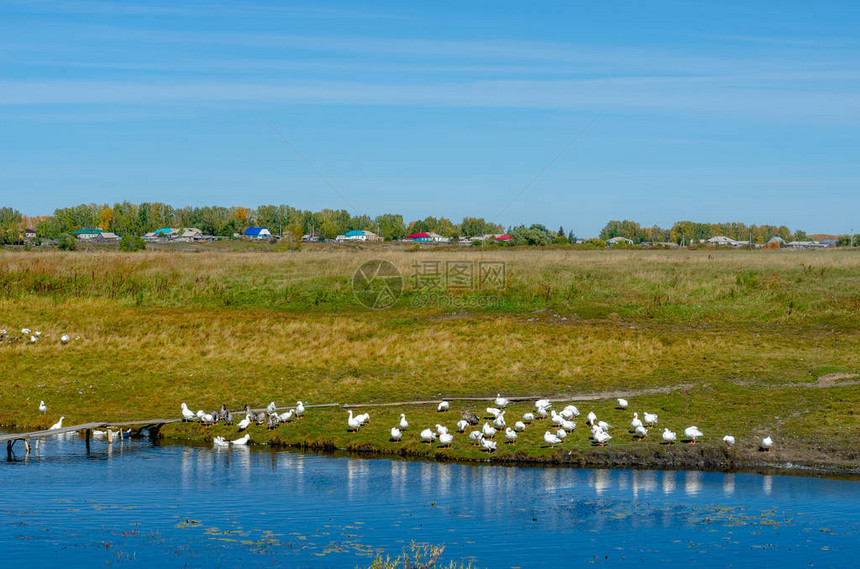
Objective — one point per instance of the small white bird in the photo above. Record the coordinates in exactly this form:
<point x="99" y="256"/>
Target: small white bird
<point x="220" y="442"/>
<point x="446" y="439"/>
<point x="693" y="433"/>
<point x="551" y="438"/>
<point x="511" y="436"/>
<point x="488" y="431"/>
<point x="363" y="418"/>
<point x="528" y="417"/>
<point x="541" y="413"/>
<point x="396" y="434"/>
<point x="428" y="436"/>
<point x="208" y="419"/>
<point x="187" y="414"/>
<point x="245" y="423"/>
<point x="38" y="334"/>
<point x="729" y="440"/>
<point x="561" y="433"/>
<point x="636" y="422"/>
<point x="353" y="422"/>
<point x="493" y="412"/>
<point x="766" y="444"/>
<point x="271" y="408"/>
<point x="542" y="403"/>
<point x="33" y="339"/>
<point x="650" y="419"/>
<point x="622" y="403"/>
<point x="641" y="432"/>
<point x="476" y="436"/>
<point x="568" y="425"/>
<point x="501" y="401"/>
<point x="403" y="423"/>
<point x="25" y="331"/>
<point x="462" y="425"/>
<point x="42" y="407"/>
<point x="441" y="429"/>
<point x="519" y="426"/>
<point x="669" y="436"/>
<point x="442" y="407"/>
<point x="592" y="418"/>
<point x="57" y="425"/>
<point x="286" y="416"/>
<point x="572" y="410"/>
<point x="488" y="446"/>
<point x="601" y="437"/>
<point x="242" y="440"/>
<point x="300" y="409"/>
<point x="65" y="338"/>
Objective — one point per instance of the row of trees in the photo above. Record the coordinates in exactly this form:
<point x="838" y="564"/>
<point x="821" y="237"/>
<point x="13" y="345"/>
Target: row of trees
<point x="137" y="219"/>
<point x="687" y="231"/>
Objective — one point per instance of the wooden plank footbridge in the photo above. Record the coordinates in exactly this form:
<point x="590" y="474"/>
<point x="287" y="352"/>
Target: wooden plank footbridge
<point x="87" y="428"/>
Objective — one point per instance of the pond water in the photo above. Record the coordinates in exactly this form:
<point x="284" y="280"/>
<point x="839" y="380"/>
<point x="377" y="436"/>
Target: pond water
<point x="138" y="503"/>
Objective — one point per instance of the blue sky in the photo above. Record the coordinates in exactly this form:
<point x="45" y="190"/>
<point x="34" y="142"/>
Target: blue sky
<point x="709" y="111"/>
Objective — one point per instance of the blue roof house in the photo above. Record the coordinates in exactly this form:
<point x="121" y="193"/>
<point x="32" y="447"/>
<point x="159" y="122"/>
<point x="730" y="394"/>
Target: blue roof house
<point x="257" y="233"/>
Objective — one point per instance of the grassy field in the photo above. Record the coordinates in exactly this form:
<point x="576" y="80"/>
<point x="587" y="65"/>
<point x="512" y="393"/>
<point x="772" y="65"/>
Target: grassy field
<point x="763" y="342"/>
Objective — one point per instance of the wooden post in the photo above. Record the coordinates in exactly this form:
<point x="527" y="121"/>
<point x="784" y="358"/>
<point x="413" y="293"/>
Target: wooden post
<point x="87" y="437"/>
<point x="9" y="450"/>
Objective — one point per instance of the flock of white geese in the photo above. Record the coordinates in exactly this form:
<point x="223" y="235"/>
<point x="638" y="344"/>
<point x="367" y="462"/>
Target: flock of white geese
<point x="495" y="422"/>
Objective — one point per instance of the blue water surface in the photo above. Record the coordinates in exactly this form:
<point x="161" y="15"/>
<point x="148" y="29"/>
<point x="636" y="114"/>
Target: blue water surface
<point x="138" y="503"/>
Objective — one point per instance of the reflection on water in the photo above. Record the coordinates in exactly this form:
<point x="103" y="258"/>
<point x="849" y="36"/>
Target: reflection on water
<point x="135" y="503"/>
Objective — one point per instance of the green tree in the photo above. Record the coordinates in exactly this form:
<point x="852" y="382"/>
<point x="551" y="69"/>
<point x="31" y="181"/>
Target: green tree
<point x="131" y="243"/>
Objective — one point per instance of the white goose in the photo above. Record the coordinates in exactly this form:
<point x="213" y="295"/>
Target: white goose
<point x="476" y="436"/>
<point x="363" y="418"/>
<point x="766" y="444"/>
<point x="568" y="425"/>
<point x="300" y="409"/>
<point x="641" y="432"/>
<point x="428" y="436"/>
<point x="353" y="423"/>
<point x="601" y="437"/>
<point x="551" y="439"/>
<point x="488" y="431"/>
<point x="693" y="433"/>
<point x="541" y="413"/>
<point x="187" y="414"/>
<point x="462" y="425"/>
<point x="542" y="403"/>
<point x="404" y="424"/>
<point x="286" y="416"/>
<point x="446" y="439"/>
<point x="528" y="417"/>
<point x="242" y="440"/>
<point x="556" y="418"/>
<point x="499" y="422"/>
<point x="42" y="407"/>
<point x="511" y="436"/>
<point x="245" y="423"/>
<point x="650" y="419"/>
<point x="65" y="338"/>
<point x="592" y="418"/>
<point x="669" y="436"/>
<point x="442" y="407"/>
<point x="622" y="403"/>
<point x="441" y="430"/>
<point x="396" y="435"/>
<point x="487" y="445"/>
<point x="57" y="425"/>
<point x="271" y="408"/>
<point x="636" y="422"/>
<point x="493" y="412"/>
<point x="500" y="401"/>
<point x="519" y="426"/>
<point x="604" y="426"/>
<point x="220" y="442"/>
<point x="561" y="433"/>
<point x="729" y="440"/>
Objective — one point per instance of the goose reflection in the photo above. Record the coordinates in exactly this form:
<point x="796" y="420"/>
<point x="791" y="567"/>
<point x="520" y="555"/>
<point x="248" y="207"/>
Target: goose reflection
<point x="644" y="481"/>
<point x="767" y="484"/>
<point x="729" y="484"/>
<point x="668" y="482"/>
<point x="398" y="477"/>
<point x="601" y="480"/>
<point x="693" y="482"/>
